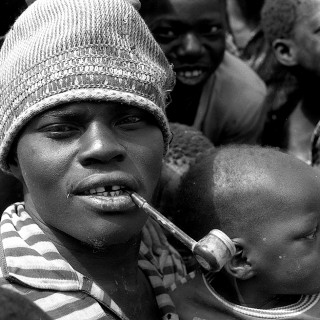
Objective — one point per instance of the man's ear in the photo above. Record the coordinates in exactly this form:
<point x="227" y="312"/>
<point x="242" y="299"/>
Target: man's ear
<point x="15" y="167"/>
<point x="239" y="266"/>
<point x="286" y="52"/>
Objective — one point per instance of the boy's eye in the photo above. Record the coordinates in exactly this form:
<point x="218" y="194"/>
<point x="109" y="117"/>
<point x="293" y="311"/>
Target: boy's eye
<point x="210" y="30"/>
<point x="164" y="34"/>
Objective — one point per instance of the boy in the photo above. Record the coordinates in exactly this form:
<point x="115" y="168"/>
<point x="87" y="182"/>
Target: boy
<point x="216" y="92"/>
<point x="291" y="28"/>
<point x="268" y="203"/>
<point x="83" y="90"/>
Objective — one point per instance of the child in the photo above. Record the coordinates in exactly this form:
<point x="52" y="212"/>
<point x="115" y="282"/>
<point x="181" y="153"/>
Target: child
<point x="291" y="29"/>
<point x="268" y="203"/>
<point x="216" y="92"/>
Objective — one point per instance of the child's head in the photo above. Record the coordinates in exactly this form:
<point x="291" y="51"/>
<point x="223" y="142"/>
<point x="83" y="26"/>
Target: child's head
<point x="268" y="203"/>
<point x="191" y="34"/>
<point x="292" y="28"/>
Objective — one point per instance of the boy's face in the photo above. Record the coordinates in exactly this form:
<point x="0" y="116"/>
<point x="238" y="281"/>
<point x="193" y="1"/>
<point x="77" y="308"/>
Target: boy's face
<point x="307" y="37"/>
<point x="286" y="249"/>
<point x="76" y="162"/>
<point x="192" y="35"/>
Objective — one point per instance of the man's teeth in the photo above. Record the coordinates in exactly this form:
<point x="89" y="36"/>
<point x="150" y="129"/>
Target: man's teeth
<point x="112" y="191"/>
<point x="190" y="74"/>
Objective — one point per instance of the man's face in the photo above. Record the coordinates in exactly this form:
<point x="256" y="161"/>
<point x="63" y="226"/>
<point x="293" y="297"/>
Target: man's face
<point x="307" y="37"/>
<point x="286" y="248"/>
<point x="77" y="161"/>
<point x="192" y="35"/>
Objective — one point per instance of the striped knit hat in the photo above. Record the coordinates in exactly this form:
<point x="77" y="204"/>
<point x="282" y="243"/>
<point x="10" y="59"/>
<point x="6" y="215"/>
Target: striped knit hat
<point x="61" y="51"/>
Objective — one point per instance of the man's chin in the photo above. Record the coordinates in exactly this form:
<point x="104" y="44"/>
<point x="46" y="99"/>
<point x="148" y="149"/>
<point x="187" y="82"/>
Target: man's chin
<point x="103" y="245"/>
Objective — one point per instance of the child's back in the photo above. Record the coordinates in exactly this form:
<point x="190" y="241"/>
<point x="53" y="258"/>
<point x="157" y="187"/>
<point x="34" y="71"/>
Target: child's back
<point x="269" y="204"/>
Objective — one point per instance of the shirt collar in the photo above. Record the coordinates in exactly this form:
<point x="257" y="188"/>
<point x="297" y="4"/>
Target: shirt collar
<point x="30" y="258"/>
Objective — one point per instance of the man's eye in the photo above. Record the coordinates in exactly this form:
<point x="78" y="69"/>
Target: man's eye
<point x="312" y="235"/>
<point x="59" y="130"/>
<point x="129" y="120"/>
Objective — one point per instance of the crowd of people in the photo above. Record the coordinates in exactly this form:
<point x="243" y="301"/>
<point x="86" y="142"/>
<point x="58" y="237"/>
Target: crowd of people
<point x="206" y="109"/>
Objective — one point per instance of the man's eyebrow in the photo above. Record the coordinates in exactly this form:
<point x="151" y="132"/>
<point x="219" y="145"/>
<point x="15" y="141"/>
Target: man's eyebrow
<point x="65" y="114"/>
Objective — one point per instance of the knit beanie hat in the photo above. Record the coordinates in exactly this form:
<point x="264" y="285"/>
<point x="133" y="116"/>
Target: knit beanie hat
<point x="61" y="51"/>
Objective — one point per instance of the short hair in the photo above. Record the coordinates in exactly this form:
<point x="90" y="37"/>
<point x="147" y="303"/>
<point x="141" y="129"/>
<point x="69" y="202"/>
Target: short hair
<point x="215" y="191"/>
<point x="278" y="18"/>
<point x="186" y="145"/>
<point x="149" y="8"/>
<point x="251" y="9"/>
<point x="154" y="6"/>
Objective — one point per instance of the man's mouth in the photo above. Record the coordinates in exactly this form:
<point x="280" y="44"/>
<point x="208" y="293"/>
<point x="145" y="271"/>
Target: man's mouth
<point x="105" y="192"/>
<point x="108" y="191"/>
<point x="107" y="199"/>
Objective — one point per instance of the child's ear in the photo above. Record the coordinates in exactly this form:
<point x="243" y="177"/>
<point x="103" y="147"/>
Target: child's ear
<point x="239" y="266"/>
<point x="285" y="51"/>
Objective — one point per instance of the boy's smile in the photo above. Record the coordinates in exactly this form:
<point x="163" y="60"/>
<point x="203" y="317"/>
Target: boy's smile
<point x="77" y="161"/>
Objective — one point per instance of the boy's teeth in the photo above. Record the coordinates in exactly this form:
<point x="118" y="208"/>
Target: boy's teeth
<point x="190" y="74"/>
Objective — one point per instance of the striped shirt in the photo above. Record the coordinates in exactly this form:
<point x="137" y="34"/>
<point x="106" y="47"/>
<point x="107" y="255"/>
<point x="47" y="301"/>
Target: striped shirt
<point x="32" y="266"/>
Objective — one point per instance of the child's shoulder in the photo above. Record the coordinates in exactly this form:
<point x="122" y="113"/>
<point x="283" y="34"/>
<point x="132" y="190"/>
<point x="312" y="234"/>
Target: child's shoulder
<point x="196" y="299"/>
<point x="193" y="300"/>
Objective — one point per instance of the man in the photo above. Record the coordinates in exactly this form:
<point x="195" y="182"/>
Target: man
<point x="84" y="86"/>
<point x="215" y="92"/>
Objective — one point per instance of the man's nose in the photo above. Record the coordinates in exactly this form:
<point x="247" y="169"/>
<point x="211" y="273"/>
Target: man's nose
<point x="100" y="144"/>
<point x="190" y="45"/>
